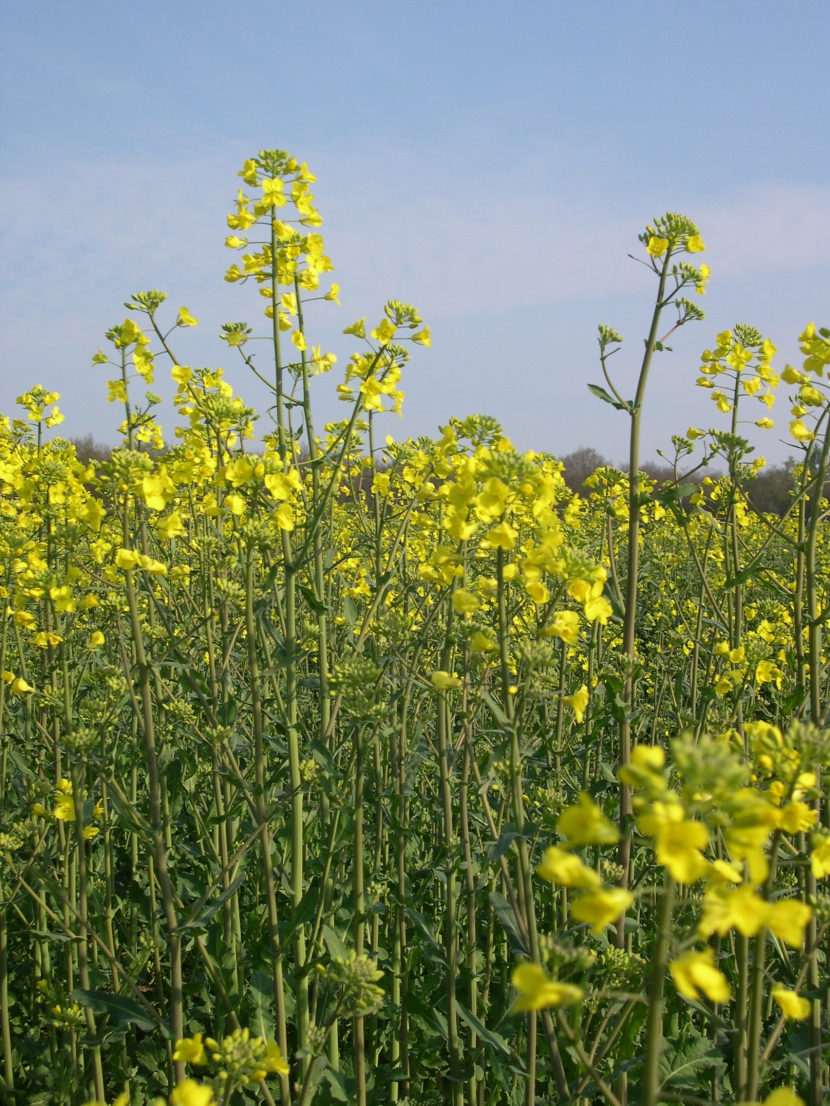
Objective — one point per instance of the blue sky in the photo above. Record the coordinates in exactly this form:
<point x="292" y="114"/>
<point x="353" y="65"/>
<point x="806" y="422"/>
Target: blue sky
<point x="491" y="162"/>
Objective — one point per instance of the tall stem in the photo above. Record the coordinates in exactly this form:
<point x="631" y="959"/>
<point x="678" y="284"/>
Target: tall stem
<point x="654" y="1024"/>
<point x="8" y="1053"/>
<point x="815" y="644"/>
<point x="265" y="835"/>
<point x="632" y="581"/>
<point x="359" y="910"/>
<point x="146" y="725"/>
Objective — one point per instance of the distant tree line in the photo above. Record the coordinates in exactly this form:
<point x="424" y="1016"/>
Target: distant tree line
<point x="769" y="491"/>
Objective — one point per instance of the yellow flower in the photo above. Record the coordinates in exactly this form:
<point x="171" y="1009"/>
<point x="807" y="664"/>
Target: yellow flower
<point x="96" y="639"/>
<point x="694" y="244"/>
<point x="480" y="643"/>
<point x="284" y="516"/>
<point x="578" y="702"/>
<point x="274" y="1061"/>
<point x="677" y="842"/>
<point x="464" y="602"/>
<point x="799" y="431"/>
<point x="19" y="686"/>
<point x="820" y="856"/>
<point x="538" y="592"/>
<point x="272" y="193"/>
<point x="646" y="770"/>
<point x="116" y="391"/>
<point x="126" y="558"/>
<point x="797" y="817"/>
<point x="766" y="672"/>
<point x="565" y="625"/>
<point x="741" y="908"/>
<point x="149" y="564"/>
<point x="240" y="471"/>
<point x="279" y="485"/>
<point x="191" y="1050"/>
<point x="502" y="536"/>
<point x="598" y="609"/>
<point x="443" y="681"/>
<point x="696" y="972"/>
<point x="172" y="526"/>
<point x="807" y="394"/>
<point x="384" y="332"/>
<point x="791" y="1003"/>
<point x="537" y="990"/>
<point x="298" y="339"/>
<point x="559" y="866"/>
<point x="754" y="819"/>
<point x="787" y="919"/>
<point x="677" y="846"/>
<point x="185" y="318"/>
<point x="585" y="824"/>
<point x="783" y="1096"/>
<point x="248" y="173"/>
<point x="601" y="908"/>
<point x="191" y="1093"/>
<point x="720" y="871"/>
<point x="580" y="590"/>
<point x="657" y="246"/>
<point x="65" y="808"/>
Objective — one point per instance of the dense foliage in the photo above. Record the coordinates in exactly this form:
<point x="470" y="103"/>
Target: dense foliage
<point x="341" y="768"/>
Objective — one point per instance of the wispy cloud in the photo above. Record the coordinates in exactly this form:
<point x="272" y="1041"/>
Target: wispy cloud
<point x="454" y="245"/>
<point x="460" y="244"/>
<point x="770" y="228"/>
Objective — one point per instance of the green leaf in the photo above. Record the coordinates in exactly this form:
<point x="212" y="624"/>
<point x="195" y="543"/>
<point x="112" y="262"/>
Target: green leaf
<point x="303" y="913"/>
<point x="430" y="1017"/>
<point x="334" y="943"/>
<point x="191" y="679"/>
<point x="123" y="814"/>
<point x="261" y="991"/>
<point x="227" y="712"/>
<point x="496" y="711"/>
<point x="503" y="844"/>
<point x="794" y="700"/>
<point x="489" y="1036"/>
<point x="511" y="927"/>
<point x="212" y="908"/>
<point x="601" y="393"/>
<point x="684" y="1064"/>
<point x="20" y="764"/>
<point x="337" y="1082"/>
<point x="424" y="926"/>
<point x="673" y="495"/>
<point x="121" y="1008"/>
<point x="349" y="612"/>
<point x="607" y="773"/>
<point x="316" y="605"/>
<point x="745" y="573"/>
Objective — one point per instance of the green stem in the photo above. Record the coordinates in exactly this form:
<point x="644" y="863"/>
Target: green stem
<point x="632" y="581"/>
<point x="654" y="1023"/>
